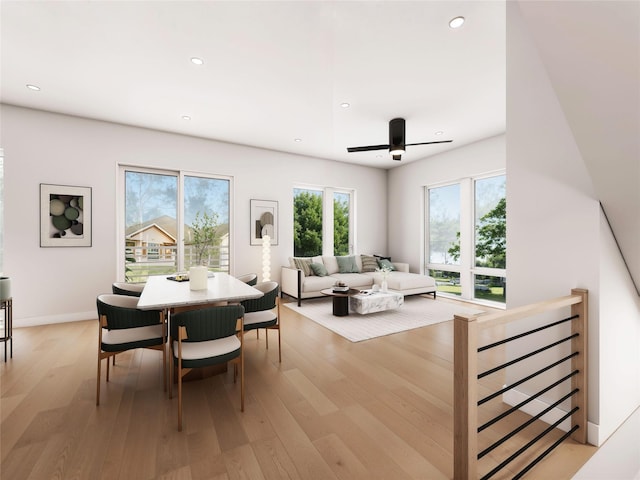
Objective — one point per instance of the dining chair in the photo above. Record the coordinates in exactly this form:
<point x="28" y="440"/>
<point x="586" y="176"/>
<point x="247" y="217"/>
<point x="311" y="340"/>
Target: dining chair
<point x="264" y="312"/>
<point x="205" y="337"/>
<point x="122" y="327"/>
<point x="249" y="278"/>
<point x="124" y="288"/>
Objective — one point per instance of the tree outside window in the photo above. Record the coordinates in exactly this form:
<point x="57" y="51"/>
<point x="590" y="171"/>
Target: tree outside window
<point x="309" y="220"/>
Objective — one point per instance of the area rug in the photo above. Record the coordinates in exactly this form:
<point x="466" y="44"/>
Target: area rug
<point x="416" y="312"/>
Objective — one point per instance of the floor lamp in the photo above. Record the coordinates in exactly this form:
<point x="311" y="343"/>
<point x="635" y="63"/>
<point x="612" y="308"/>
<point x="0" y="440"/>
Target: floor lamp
<point x="266" y="258"/>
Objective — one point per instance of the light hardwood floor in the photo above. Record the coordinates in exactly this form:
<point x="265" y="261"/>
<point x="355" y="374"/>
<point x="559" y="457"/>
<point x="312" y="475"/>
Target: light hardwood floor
<point x="331" y="410"/>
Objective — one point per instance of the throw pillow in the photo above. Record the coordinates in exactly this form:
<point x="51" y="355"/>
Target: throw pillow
<point x="319" y="269"/>
<point x="369" y="263"/>
<point x="347" y="264"/>
<point x="383" y="262"/>
<point x="303" y="264"/>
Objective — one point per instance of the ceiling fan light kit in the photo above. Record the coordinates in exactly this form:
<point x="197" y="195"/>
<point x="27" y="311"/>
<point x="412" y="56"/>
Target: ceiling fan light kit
<point x="396" y="145"/>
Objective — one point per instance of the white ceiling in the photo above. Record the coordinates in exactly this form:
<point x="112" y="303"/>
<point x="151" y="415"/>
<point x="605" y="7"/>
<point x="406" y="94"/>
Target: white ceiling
<point x="273" y="71"/>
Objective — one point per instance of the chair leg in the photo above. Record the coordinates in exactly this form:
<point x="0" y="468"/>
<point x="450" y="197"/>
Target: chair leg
<point x="266" y="337"/>
<point x="98" y="380"/>
<point x="107" y="369"/>
<point x="179" y="396"/>
<point x="164" y="366"/>
<point x="172" y="368"/>
<point x="279" y="345"/>
<point x="242" y="382"/>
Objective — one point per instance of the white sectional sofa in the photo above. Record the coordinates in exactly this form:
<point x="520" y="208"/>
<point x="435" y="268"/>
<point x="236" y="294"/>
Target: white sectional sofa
<point x="299" y="281"/>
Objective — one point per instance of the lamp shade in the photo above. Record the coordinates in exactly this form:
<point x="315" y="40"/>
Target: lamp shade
<point x="5" y="288"/>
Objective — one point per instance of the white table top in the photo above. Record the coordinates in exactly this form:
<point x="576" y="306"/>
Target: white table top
<point x="161" y="293"/>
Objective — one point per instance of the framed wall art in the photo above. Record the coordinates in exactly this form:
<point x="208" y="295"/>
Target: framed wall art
<point x="65" y="216"/>
<point x="264" y="221"/>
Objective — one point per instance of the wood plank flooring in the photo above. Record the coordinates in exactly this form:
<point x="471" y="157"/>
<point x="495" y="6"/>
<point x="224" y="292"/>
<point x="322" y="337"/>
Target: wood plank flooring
<point x="379" y="409"/>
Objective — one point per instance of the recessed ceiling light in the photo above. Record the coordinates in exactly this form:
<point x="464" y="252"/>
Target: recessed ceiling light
<point x="297" y="139"/>
<point x="197" y="61"/>
<point x="439" y="132"/>
<point x="345" y="105"/>
<point x="456" y="22"/>
<point x="35" y="88"/>
<point x="186" y="117"/>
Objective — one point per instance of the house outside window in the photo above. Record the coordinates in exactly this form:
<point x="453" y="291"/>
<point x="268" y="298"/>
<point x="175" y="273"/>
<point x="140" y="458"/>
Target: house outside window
<point x="159" y="208"/>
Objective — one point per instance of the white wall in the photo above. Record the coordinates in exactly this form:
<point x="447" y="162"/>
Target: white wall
<point x="618" y="337"/>
<point x="61" y="284"/>
<point x="554" y="235"/>
<point x="406" y="192"/>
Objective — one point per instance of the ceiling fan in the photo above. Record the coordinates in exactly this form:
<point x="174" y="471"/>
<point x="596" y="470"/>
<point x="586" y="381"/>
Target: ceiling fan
<point x="396" y="145"/>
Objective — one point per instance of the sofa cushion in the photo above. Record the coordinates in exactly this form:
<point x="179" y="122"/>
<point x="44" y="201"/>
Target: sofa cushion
<point x="384" y="263"/>
<point x="369" y="263"/>
<point x="331" y="264"/>
<point x="319" y="269"/>
<point x="408" y="281"/>
<point x="347" y="264"/>
<point x="303" y="264"/>
<point x="315" y="283"/>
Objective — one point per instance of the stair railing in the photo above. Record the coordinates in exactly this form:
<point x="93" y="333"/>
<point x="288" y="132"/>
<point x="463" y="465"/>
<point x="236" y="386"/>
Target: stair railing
<point x="467" y="331"/>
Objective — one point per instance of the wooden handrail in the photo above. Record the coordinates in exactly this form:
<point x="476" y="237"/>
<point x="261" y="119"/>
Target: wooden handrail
<point x="465" y="389"/>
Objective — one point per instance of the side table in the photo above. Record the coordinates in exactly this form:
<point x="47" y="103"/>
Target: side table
<point x="340" y="300"/>
<point x="7" y="326"/>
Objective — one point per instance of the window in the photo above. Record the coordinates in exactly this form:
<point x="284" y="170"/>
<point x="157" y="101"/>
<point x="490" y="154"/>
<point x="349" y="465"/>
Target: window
<point x="321" y="229"/>
<point x="341" y="222"/>
<point x="466" y="237"/>
<point x="160" y="208"/>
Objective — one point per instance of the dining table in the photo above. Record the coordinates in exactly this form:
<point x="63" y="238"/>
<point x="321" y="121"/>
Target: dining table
<point x="173" y="294"/>
<point x="168" y="292"/>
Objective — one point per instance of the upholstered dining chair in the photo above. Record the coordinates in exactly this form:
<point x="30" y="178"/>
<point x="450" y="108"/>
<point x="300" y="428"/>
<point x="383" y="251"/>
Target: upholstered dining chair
<point x="205" y="337"/>
<point x="122" y="327"/>
<point x="264" y="312"/>
<point x="131" y="289"/>
<point x="249" y="278"/>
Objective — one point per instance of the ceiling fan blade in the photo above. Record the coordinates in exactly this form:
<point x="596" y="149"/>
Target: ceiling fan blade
<point x="426" y="143"/>
<point x="367" y="148"/>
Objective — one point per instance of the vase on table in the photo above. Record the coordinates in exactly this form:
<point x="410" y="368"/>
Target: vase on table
<point x="198" y="277"/>
<point x="383" y="286"/>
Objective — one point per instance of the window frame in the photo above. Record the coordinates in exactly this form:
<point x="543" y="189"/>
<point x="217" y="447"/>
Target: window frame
<point x="327" y="215"/>
<point x="466" y="268"/>
<point x="180" y="205"/>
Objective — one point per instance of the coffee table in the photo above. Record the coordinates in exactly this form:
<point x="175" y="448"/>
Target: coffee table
<point x="340" y="300"/>
<point x="371" y="302"/>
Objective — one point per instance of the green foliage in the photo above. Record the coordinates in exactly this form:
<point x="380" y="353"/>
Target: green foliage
<point x="129" y="258"/>
<point x="340" y="227"/>
<point x="491" y="242"/>
<point x="307" y="224"/>
<point x="205" y="237"/>
<point x="491" y="238"/>
<point x="454" y="250"/>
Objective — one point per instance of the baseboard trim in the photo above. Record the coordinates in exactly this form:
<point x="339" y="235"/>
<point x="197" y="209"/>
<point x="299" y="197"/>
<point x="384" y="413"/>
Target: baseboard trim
<point x="514" y="397"/>
<point x="50" y="319"/>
